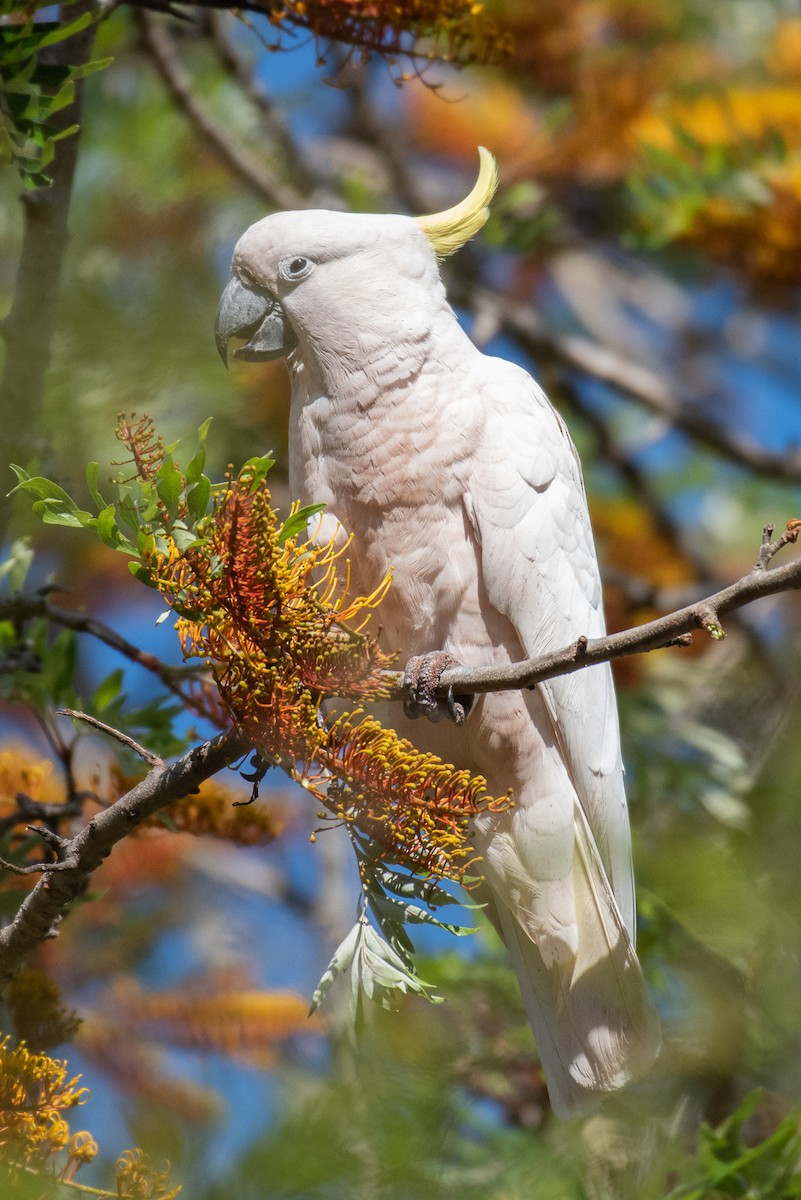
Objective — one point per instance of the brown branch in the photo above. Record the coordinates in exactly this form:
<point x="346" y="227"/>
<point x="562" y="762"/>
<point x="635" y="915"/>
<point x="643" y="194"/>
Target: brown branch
<point x="154" y="759"/>
<point x="238" y="67"/>
<point x="674" y="629"/>
<point x="180" y="86"/>
<point x="24" y="606"/>
<point x="62" y="882"/>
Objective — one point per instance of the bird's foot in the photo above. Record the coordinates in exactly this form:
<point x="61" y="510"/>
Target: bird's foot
<point x="420" y="681"/>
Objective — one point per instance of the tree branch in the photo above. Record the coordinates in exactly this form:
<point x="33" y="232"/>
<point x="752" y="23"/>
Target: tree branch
<point x="179" y="84"/>
<point x="238" y="67"/>
<point x="24" y="606"/>
<point x="674" y="629"/>
<point x="154" y="759"/>
<point x="62" y="882"/>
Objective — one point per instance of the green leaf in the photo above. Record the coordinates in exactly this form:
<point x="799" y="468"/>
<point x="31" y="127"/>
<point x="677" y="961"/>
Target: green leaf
<point x="170" y="484"/>
<point x="184" y="538"/>
<point x="61" y="32"/>
<point x="140" y="572"/>
<point x="297" y="522"/>
<point x="425" y="890"/>
<point x="108" y="690"/>
<point x="378" y="971"/>
<point x="37" y="485"/>
<point x="50" y="515"/>
<point x="258" y="468"/>
<point x="195" y="469"/>
<point x="197" y="498"/>
<point x="53" y="505"/>
<point x="109" y="532"/>
<point x="398" y="910"/>
<point x="92" y="475"/>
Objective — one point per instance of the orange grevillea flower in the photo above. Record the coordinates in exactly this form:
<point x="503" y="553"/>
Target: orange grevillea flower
<point x="274" y="617"/>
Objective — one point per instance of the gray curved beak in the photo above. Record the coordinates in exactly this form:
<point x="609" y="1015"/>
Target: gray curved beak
<point x="247" y="312"/>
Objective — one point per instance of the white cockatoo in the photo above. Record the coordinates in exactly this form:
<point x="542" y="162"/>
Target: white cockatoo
<point x="452" y="469"/>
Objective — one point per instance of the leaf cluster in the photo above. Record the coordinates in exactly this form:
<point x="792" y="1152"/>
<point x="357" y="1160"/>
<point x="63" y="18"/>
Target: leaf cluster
<point x="672" y="186"/>
<point x="156" y="504"/>
<point x="734" y="1163"/>
<point x="32" y="91"/>
<point x="381" y="960"/>
<point x="455" y="31"/>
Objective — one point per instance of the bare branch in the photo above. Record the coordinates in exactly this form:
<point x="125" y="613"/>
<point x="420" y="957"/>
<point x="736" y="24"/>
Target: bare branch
<point x="23" y="606"/>
<point x="277" y="129"/>
<point x="147" y="755"/>
<point x="669" y="630"/>
<point x="180" y="86"/>
<point x="62" y="882"/>
<point x="769" y="548"/>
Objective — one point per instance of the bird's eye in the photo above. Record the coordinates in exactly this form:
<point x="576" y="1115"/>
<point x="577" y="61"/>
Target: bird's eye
<point x="295" y="268"/>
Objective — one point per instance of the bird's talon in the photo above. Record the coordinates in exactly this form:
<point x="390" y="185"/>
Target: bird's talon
<point x="420" y="682"/>
<point x="460" y="706"/>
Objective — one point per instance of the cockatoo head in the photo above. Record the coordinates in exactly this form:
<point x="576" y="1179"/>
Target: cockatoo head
<point x="319" y="280"/>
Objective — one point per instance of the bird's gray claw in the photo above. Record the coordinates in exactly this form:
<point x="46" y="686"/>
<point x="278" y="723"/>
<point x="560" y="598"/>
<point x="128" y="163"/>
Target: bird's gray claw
<point x="420" y="681"/>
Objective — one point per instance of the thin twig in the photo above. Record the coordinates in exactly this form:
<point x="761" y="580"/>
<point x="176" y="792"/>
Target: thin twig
<point x="769" y="548"/>
<point x="147" y="755"/>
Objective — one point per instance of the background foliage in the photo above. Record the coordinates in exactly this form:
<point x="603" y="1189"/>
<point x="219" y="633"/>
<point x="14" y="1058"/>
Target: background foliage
<point x="643" y="260"/>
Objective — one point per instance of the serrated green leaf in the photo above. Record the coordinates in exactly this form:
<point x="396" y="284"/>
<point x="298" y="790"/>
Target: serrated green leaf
<point x="425" y="890"/>
<point x="401" y="911"/>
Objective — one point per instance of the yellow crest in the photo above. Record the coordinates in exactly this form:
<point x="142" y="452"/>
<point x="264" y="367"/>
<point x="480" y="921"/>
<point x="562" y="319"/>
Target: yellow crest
<point x="449" y="230"/>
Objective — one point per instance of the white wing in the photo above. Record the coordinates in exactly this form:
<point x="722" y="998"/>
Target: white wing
<point x="540" y="571"/>
<point x="570" y="934"/>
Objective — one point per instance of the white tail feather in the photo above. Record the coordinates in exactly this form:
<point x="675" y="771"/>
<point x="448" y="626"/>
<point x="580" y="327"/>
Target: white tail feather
<point x="595" y="1027"/>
